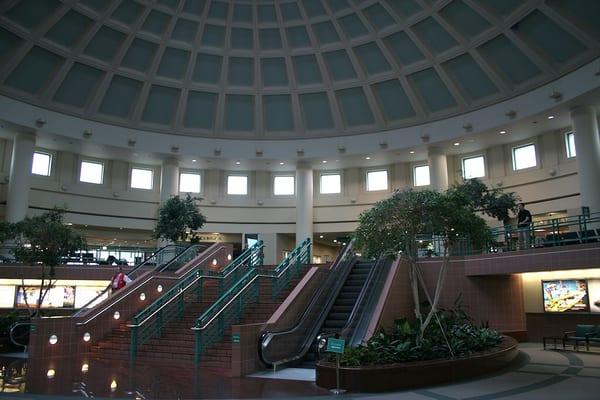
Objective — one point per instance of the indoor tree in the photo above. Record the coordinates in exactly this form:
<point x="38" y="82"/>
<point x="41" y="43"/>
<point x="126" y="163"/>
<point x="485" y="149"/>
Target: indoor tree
<point x="43" y="240"/>
<point x="454" y="216"/>
<point x="176" y="216"/>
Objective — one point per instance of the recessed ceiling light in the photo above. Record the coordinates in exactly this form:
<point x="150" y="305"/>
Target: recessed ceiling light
<point x="367" y="158"/>
<point x="237" y="163"/>
<point x="457" y="143"/>
<point x="502" y="132"/>
<point x="324" y="161"/>
<point x="320" y="236"/>
<point x="550" y="116"/>
<point x="194" y="160"/>
<point x="334" y="240"/>
<point x="412" y="152"/>
<point x="281" y="163"/>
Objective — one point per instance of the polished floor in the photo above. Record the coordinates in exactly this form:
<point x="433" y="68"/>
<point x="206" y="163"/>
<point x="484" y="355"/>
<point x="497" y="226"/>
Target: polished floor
<point x="536" y="374"/>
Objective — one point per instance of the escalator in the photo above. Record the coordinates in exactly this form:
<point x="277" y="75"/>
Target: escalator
<point x="342" y="307"/>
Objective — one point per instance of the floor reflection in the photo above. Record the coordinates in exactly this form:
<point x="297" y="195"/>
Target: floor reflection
<point x="84" y="376"/>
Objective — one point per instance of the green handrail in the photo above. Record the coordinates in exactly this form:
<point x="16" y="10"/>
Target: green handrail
<point x="228" y="308"/>
<point x="149" y="322"/>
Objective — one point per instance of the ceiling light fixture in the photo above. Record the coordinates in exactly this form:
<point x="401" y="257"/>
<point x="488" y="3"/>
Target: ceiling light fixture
<point x="237" y="162"/>
<point x="281" y="163"/>
<point x="550" y="116"/>
<point x="412" y="152"/>
<point x="502" y="132"/>
<point x="324" y="161"/>
<point x="456" y="143"/>
<point x="367" y="158"/>
<point x="194" y="160"/>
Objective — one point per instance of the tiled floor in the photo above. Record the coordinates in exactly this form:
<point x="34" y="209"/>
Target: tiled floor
<point x="537" y="374"/>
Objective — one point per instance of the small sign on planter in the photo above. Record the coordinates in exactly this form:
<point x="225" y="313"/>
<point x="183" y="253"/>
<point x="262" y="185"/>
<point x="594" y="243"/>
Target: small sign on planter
<point x="235" y="338"/>
<point x="336" y="345"/>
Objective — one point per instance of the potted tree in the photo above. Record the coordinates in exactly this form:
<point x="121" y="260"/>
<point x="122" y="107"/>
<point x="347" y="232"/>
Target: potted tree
<point x="176" y="217"/>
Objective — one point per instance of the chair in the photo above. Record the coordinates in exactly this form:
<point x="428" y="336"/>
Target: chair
<point x="582" y="333"/>
<point x="569" y="238"/>
<point x="595" y="338"/>
<point x="589" y="236"/>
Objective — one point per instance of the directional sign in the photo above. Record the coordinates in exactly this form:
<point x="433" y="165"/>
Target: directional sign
<point x="235" y="338"/>
<point x="336" y="345"/>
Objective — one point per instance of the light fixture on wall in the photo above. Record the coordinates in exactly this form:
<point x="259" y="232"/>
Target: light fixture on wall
<point x="174" y="149"/>
<point x="383" y="145"/>
<point x="87" y="133"/>
<point x="468" y="127"/>
<point x="300" y="152"/>
<point x="556" y="95"/>
<point x="131" y="143"/>
<point x="512" y="114"/>
<point x="341" y="149"/>
<point x="41" y="121"/>
<point x="217" y="152"/>
<point x="259" y="153"/>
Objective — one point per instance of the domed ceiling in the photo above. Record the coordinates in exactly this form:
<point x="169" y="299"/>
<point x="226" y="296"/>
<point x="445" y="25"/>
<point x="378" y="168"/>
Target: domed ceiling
<point x="285" y="69"/>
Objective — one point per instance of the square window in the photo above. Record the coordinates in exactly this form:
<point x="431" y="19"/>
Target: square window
<point x="91" y="172"/>
<point x="570" y="142"/>
<point x="377" y="180"/>
<point x="473" y="167"/>
<point x="524" y="157"/>
<point x="189" y="182"/>
<point x="283" y="186"/>
<point x="42" y="163"/>
<point x="237" y="185"/>
<point x="331" y="183"/>
<point x="141" y="178"/>
<point x="421" y="175"/>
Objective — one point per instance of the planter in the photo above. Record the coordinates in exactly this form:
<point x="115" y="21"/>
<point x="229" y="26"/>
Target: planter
<point x="417" y="373"/>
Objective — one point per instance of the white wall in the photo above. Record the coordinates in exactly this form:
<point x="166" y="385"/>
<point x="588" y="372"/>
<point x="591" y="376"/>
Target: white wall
<point x="550" y="186"/>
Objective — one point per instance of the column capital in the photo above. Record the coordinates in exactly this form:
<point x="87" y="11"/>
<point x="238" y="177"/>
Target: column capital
<point x="581" y="110"/>
<point x="435" y="150"/>
<point x="303" y="165"/>
<point x="171" y="161"/>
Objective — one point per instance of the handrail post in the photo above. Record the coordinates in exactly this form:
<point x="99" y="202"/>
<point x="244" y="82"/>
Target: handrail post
<point x="133" y="347"/>
<point x="198" y="350"/>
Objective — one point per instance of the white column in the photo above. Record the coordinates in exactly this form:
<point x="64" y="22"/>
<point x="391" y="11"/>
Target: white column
<point x="17" y="199"/>
<point x="438" y="169"/>
<point x="587" y="146"/>
<point x="304" y="202"/>
<point x="169" y="179"/>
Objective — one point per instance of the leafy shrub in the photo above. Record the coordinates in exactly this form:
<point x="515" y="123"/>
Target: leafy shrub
<point x="400" y="345"/>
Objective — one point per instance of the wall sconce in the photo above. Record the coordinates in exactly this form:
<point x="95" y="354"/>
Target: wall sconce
<point x="41" y="121"/>
<point x="300" y="152"/>
<point x="50" y="373"/>
<point x="53" y="339"/>
<point x="85" y="368"/>
<point x="228" y="257"/>
<point x="87" y="337"/>
<point x="142" y="296"/>
<point x="214" y="262"/>
<point x="117" y="315"/>
<point x="159" y="288"/>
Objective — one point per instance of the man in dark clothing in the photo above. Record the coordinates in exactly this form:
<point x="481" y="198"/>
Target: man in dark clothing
<point x="523" y="223"/>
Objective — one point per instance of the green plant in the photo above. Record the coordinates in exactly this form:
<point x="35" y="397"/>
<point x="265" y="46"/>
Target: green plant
<point x="44" y="240"/>
<point x="455" y="331"/>
<point x="452" y="217"/>
<point x="176" y="216"/>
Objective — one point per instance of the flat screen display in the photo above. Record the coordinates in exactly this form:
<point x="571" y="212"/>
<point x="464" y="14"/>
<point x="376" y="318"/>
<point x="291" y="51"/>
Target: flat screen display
<point x="56" y="297"/>
<point x="570" y="295"/>
<point x="594" y="293"/>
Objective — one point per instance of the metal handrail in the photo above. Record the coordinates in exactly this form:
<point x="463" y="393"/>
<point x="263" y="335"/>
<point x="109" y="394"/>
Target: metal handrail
<point x="84" y="308"/>
<point x="197" y="248"/>
<point x="241" y="289"/>
<point x="174" y="291"/>
<point x="327" y="291"/>
<point x="251" y="257"/>
<point x="11" y="334"/>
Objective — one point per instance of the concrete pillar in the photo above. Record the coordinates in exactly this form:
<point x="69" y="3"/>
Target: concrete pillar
<point x="169" y="179"/>
<point x="438" y="169"/>
<point x="304" y="203"/>
<point x="17" y="198"/>
<point x="587" y="146"/>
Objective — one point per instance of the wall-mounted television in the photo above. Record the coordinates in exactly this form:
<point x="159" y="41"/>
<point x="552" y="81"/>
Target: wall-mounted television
<point x="568" y="295"/>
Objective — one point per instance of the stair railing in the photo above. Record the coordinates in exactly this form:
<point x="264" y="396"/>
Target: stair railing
<point x="285" y="346"/>
<point x="227" y="310"/>
<point x="149" y="322"/>
<point x="158" y="259"/>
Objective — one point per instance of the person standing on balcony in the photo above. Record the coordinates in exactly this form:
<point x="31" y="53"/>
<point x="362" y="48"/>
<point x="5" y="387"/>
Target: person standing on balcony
<point x="523" y="223"/>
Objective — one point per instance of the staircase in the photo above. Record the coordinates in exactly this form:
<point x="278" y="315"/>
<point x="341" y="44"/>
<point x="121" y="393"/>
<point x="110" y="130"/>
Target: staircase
<point x="177" y="341"/>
